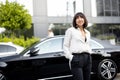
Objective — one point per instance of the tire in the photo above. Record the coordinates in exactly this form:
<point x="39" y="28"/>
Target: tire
<point x="107" y="69"/>
<point x="2" y="76"/>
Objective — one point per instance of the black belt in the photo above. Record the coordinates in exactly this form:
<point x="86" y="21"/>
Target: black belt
<point x="81" y="53"/>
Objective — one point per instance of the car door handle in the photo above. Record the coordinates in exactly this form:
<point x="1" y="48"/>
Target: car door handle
<point x="58" y="54"/>
<point x="39" y="63"/>
<point x="97" y="51"/>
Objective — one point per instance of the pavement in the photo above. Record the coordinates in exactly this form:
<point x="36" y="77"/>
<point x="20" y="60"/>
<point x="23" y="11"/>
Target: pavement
<point x="117" y="77"/>
<point x="94" y="77"/>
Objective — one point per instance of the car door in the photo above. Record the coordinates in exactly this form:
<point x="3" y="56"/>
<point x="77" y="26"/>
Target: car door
<point x="48" y="63"/>
<point x="54" y="63"/>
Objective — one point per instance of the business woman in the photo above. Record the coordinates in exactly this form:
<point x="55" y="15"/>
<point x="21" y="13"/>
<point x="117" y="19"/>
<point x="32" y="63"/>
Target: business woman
<point x="77" y="49"/>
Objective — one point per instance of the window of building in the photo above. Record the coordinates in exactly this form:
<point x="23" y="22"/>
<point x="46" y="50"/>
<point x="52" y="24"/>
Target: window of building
<point x="100" y="11"/>
<point x="108" y="7"/>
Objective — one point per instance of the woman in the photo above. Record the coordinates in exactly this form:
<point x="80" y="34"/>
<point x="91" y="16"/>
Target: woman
<point x="77" y="49"/>
<point x="50" y="33"/>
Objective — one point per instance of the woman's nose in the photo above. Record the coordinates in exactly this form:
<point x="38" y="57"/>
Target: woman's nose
<point x="80" y="18"/>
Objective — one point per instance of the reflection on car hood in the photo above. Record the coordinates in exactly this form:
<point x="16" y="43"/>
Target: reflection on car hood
<point x="113" y="49"/>
<point x="9" y="58"/>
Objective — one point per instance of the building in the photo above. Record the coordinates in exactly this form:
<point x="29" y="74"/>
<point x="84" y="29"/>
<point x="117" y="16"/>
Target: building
<point x="96" y="11"/>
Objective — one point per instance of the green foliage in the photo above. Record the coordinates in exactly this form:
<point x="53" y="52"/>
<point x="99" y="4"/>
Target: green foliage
<point x="16" y="20"/>
<point x="14" y="17"/>
<point x="106" y="37"/>
<point x="105" y="31"/>
<point x="60" y="29"/>
<point x="20" y="41"/>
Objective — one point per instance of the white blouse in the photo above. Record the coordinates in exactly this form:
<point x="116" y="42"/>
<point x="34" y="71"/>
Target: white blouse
<point x="74" y="42"/>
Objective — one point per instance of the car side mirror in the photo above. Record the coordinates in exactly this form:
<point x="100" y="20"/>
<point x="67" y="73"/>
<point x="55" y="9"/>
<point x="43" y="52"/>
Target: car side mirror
<point x="33" y="51"/>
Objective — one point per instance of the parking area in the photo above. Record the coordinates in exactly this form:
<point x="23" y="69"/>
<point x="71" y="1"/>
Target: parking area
<point x="94" y="77"/>
<point x="118" y="77"/>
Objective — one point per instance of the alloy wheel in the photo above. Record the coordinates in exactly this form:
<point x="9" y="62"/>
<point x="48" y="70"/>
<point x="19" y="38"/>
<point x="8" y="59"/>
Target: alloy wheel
<point x="107" y="69"/>
<point x="2" y="77"/>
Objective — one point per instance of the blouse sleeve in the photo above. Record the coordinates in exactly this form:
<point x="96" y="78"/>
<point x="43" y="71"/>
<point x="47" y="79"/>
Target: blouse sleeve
<point x="66" y="45"/>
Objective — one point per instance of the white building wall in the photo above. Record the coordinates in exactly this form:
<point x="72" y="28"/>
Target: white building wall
<point x="40" y="20"/>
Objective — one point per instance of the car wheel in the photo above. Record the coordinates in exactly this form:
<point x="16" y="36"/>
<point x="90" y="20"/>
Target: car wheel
<point x="107" y="69"/>
<point x="2" y="77"/>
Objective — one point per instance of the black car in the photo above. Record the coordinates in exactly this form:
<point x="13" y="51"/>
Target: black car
<point x="45" y="60"/>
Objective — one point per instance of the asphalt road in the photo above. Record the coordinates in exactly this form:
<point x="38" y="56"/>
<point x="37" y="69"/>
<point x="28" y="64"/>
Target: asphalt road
<point x="94" y="77"/>
<point x="118" y="77"/>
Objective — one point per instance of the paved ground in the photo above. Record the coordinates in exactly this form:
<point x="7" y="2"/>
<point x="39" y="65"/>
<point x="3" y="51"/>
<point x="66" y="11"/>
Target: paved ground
<point x="96" y="78"/>
<point x="118" y="77"/>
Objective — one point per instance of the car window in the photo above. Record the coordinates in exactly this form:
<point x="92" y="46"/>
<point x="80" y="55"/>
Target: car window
<point x="52" y="45"/>
<point x="7" y="48"/>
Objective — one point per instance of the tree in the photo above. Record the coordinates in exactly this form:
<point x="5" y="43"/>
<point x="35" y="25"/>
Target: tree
<point x="14" y="17"/>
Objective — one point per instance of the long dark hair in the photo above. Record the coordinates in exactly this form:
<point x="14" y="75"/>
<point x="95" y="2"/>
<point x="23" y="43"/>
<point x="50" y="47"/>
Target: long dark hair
<point x="79" y="14"/>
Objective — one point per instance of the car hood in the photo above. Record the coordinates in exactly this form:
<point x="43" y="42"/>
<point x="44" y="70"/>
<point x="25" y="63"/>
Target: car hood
<point x="9" y="58"/>
<point x="111" y="50"/>
<point x="107" y="46"/>
<point x="107" y="51"/>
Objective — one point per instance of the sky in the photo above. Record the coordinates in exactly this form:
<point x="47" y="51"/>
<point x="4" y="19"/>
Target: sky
<point x="28" y="4"/>
<point x="63" y="7"/>
<point x="58" y="8"/>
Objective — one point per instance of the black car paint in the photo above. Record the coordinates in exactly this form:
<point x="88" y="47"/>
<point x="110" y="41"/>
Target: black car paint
<point x="46" y="65"/>
<point x="40" y="66"/>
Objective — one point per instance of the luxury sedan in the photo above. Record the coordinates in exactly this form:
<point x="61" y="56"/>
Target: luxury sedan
<point x="9" y="48"/>
<point x="45" y="60"/>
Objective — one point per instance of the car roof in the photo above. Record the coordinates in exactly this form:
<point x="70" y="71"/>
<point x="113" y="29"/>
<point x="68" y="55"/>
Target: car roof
<point x="105" y="43"/>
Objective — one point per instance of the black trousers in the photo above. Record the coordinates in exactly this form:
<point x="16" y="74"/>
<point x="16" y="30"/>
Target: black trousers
<point x="81" y="66"/>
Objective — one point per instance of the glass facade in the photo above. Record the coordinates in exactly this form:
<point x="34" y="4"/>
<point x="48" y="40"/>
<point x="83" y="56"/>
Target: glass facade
<point x="108" y="7"/>
<point x="106" y="32"/>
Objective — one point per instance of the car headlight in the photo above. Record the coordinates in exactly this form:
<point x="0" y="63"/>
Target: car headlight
<point x="3" y="64"/>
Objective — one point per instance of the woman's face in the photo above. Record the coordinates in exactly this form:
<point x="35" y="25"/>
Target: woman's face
<point x="79" y="21"/>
